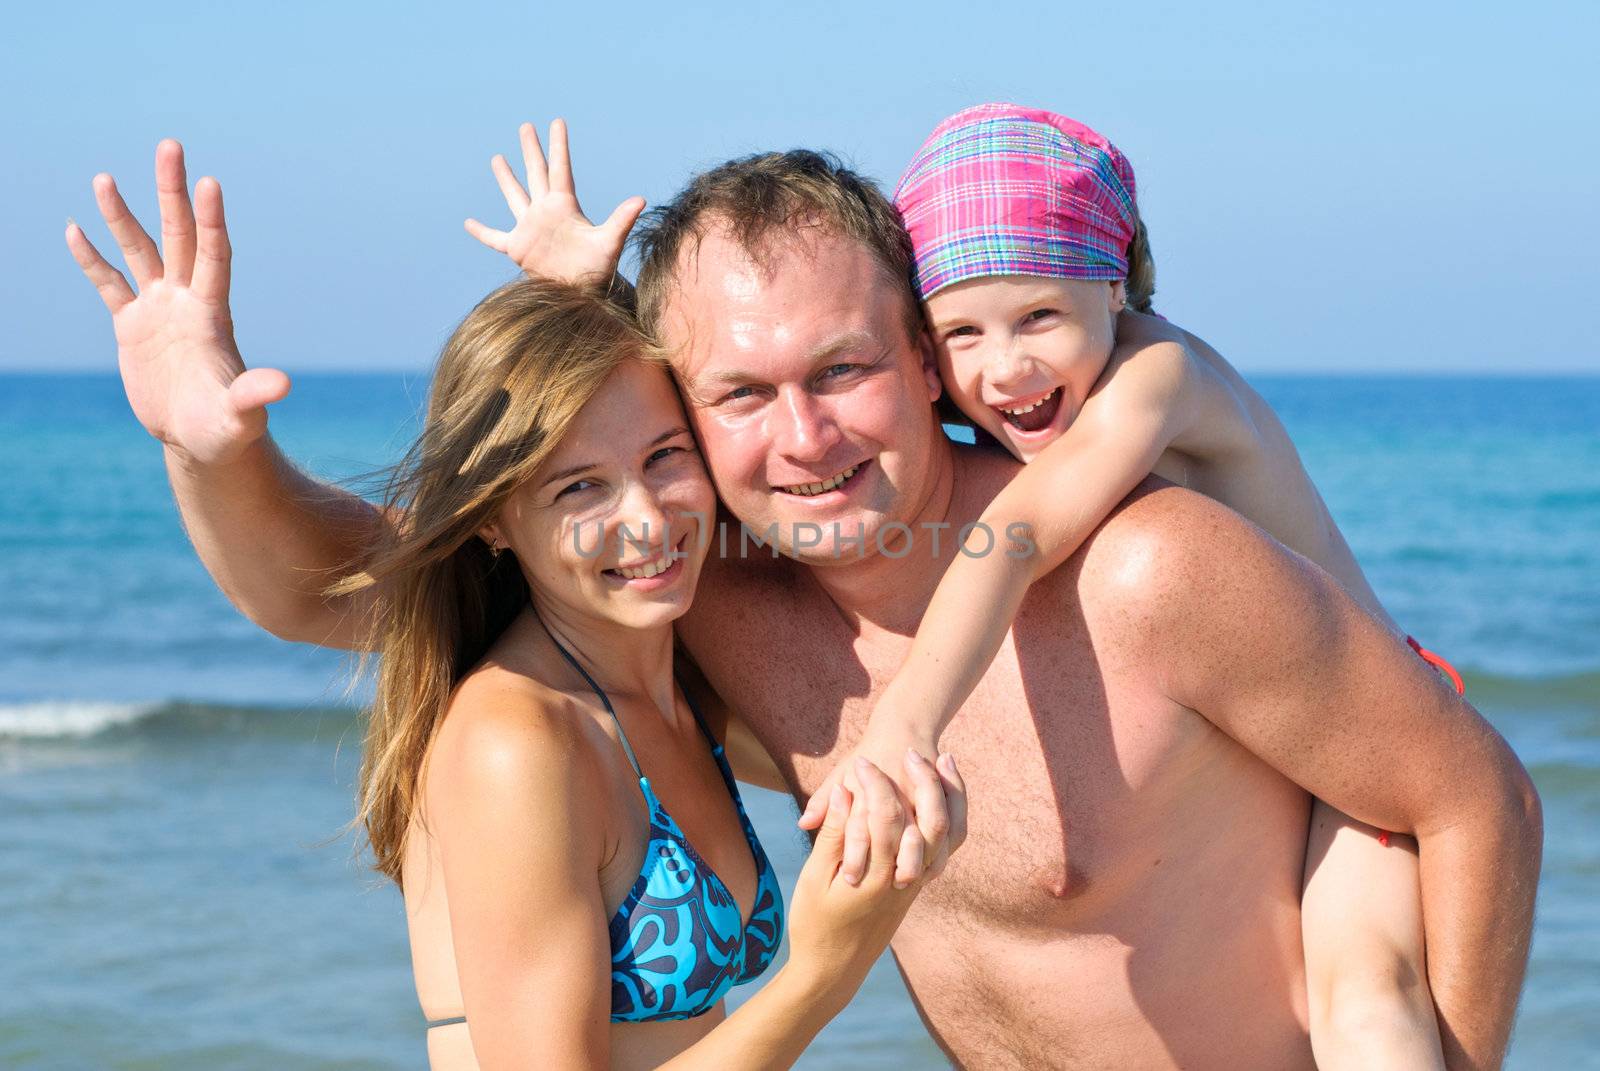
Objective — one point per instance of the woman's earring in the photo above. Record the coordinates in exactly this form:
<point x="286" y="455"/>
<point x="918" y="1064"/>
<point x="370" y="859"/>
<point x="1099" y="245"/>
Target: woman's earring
<point x="495" y="548"/>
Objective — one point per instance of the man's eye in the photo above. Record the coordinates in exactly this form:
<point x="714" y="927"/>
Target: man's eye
<point x="738" y="394"/>
<point x="836" y="370"/>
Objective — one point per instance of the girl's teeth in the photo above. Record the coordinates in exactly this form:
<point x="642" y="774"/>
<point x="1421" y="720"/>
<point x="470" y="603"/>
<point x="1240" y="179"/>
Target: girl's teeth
<point x="826" y="485"/>
<point x="1031" y="408"/>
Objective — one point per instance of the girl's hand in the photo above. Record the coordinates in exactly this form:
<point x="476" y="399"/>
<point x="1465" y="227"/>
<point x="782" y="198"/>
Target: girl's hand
<point x="552" y="238"/>
<point x="939" y="816"/>
<point x="837" y="929"/>
<point x="180" y="367"/>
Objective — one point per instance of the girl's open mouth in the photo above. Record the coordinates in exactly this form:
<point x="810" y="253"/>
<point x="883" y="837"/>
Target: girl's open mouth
<point x="1033" y="414"/>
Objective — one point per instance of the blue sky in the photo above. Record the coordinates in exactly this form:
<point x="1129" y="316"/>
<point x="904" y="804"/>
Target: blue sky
<point x="1328" y="187"/>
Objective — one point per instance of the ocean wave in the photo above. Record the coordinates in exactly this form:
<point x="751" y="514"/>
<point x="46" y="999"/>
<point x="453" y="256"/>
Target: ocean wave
<point x="68" y="719"/>
<point x="82" y="720"/>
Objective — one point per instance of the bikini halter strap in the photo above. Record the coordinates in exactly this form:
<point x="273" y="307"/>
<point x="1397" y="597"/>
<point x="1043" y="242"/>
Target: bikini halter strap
<point x="604" y="699"/>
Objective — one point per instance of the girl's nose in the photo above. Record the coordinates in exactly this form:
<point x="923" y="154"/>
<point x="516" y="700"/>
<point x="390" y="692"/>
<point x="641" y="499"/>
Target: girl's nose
<point x="1008" y="363"/>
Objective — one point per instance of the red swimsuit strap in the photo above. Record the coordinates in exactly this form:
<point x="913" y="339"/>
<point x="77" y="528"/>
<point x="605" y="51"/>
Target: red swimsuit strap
<point x="1444" y="667"/>
<point x="1438" y="663"/>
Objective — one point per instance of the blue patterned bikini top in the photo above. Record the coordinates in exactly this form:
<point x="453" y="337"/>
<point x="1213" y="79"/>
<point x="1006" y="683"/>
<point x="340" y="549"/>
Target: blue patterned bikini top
<point x="677" y="942"/>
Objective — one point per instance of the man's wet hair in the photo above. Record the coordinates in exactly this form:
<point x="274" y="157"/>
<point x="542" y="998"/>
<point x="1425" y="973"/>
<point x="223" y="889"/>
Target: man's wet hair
<point x="755" y="198"/>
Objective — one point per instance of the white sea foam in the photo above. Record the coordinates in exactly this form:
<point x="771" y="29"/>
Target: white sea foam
<point x="68" y="718"/>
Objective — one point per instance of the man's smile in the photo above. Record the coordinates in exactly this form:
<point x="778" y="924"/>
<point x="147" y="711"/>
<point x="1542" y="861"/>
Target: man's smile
<point x="830" y="488"/>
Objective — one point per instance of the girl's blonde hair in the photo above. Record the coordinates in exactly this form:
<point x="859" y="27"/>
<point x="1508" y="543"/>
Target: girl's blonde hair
<point x="509" y="383"/>
<point x="1141" y="283"/>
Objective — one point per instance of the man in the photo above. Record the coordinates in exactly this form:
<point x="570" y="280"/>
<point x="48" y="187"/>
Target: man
<point x="1141" y="751"/>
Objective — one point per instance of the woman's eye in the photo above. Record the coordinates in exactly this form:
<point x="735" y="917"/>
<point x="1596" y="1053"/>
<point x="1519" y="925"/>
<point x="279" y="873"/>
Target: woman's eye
<point x="575" y="487"/>
<point x="664" y="452"/>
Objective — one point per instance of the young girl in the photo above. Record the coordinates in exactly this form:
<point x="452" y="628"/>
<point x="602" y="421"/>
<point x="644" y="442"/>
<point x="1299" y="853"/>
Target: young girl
<point x="1036" y="275"/>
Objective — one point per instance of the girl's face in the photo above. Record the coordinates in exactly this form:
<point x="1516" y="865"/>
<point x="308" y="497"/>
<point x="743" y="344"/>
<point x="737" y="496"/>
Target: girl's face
<point x="614" y="523"/>
<point x="1019" y="353"/>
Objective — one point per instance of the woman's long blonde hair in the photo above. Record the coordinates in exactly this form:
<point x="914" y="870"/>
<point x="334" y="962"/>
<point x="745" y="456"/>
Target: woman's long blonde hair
<point x="508" y="385"/>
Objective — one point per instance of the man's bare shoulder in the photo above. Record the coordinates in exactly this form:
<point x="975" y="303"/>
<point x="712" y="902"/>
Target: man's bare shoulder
<point x="1172" y="557"/>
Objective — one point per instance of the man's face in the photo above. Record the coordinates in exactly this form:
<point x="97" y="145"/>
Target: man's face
<point x="811" y="400"/>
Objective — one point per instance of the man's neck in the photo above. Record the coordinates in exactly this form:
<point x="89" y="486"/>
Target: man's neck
<point x="886" y="592"/>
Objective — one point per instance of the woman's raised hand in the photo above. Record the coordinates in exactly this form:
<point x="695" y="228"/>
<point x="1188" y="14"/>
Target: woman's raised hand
<point x="552" y="238"/>
<point x="180" y="367"/>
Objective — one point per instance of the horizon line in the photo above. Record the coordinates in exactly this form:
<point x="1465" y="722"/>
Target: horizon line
<point x="1384" y="372"/>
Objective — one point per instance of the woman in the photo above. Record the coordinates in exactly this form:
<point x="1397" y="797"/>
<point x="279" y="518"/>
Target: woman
<point x="581" y="882"/>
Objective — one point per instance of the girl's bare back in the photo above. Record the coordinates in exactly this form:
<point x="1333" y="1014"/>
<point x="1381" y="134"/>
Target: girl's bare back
<point x="1237" y="452"/>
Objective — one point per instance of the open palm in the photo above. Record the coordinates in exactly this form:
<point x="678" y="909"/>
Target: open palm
<point x="180" y="366"/>
<point x="552" y="238"/>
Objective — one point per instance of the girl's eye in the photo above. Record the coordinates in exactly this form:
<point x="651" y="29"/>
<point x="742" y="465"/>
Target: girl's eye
<point x="963" y="332"/>
<point x="1039" y="314"/>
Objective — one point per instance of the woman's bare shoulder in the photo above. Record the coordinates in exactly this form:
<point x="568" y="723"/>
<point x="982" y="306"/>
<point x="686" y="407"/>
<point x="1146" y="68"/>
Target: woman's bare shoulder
<point x="504" y="727"/>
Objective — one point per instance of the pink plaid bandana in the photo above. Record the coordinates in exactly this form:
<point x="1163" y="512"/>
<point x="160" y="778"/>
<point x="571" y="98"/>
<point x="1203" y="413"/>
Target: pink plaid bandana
<point x="1000" y="189"/>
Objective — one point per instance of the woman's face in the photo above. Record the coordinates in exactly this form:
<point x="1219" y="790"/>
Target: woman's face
<point x="614" y="523"/>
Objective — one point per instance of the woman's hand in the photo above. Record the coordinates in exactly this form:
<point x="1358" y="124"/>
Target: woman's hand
<point x="838" y="929"/>
<point x="552" y="238"/>
<point x="941" y="819"/>
<point x="180" y="367"/>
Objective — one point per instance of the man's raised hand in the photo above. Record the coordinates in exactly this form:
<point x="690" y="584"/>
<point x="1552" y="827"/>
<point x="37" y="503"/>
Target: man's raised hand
<point x="552" y="238"/>
<point x="180" y="366"/>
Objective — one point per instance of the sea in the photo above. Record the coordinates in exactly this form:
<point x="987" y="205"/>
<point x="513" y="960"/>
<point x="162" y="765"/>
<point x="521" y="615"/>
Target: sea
<point x="179" y="885"/>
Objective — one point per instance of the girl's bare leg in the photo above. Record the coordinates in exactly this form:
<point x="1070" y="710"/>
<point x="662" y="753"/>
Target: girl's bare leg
<point x="1366" y="968"/>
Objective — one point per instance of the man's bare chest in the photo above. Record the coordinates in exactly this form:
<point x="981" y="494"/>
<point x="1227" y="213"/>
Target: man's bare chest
<point x="1069" y="762"/>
